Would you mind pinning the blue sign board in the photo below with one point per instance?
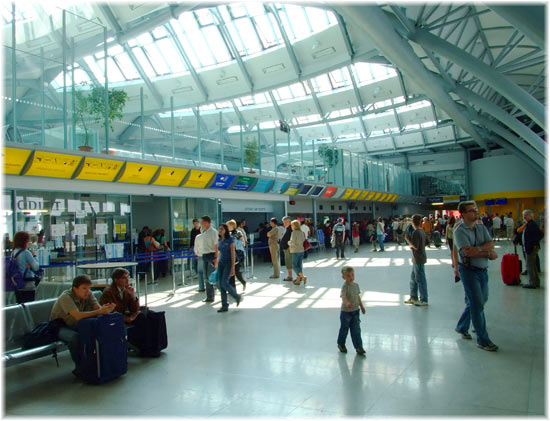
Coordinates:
(436, 199)
(280, 186)
(222, 181)
(501, 201)
(263, 185)
(490, 202)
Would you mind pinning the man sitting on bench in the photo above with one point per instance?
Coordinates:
(72, 306)
(123, 296)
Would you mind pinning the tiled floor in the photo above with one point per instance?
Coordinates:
(276, 354)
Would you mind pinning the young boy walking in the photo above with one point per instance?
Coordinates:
(349, 314)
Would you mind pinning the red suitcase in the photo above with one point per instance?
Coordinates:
(510, 269)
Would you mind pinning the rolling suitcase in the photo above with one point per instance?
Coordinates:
(510, 269)
(103, 349)
(436, 236)
(149, 336)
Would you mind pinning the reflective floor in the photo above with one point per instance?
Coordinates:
(276, 354)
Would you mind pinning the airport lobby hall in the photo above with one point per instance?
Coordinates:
(278, 210)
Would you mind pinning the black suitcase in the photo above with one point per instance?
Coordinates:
(149, 334)
(103, 352)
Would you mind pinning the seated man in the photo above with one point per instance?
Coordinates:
(122, 295)
(73, 305)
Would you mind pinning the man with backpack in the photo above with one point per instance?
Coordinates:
(339, 234)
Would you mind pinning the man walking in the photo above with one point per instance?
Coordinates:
(284, 247)
(273, 243)
(339, 232)
(209, 248)
(531, 237)
(497, 224)
(418, 276)
(475, 247)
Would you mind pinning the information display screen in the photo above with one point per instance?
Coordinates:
(198, 179)
(99, 169)
(280, 186)
(222, 181)
(243, 183)
(305, 189)
(294, 188)
(329, 192)
(48, 164)
(138, 173)
(14, 160)
(316, 191)
(170, 176)
(263, 185)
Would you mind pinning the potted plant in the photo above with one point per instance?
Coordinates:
(251, 153)
(93, 105)
(330, 157)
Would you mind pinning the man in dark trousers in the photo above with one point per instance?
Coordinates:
(531, 237)
(194, 232)
(284, 247)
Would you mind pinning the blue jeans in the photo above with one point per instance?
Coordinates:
(199, 267)
(476, 288)
(349, 320)
(297, 259)
(207, 260)
(70, 337)
(223, 275)
(418, 282)
(381, 241)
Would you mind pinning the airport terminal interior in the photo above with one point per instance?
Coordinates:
(343, 139)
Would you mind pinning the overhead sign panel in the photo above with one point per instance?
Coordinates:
(316, 191)
(138, 173)
(263, 185)
(305, 189)
(294, 187)
(339, 192)
(243, 183)
(48, 164)
(14, 160)
(347, 194)
(355, 194)
(280, 186)
(377, 196)
(363, 195)
(371, 195)
(170, 176)
(329, 192)
(198, 179)
(99, 169)
(394, 198)
(222, 181)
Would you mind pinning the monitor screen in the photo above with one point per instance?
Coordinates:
(305, 189)
(316, 191)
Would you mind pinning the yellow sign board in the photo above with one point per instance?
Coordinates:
(371, 195)
(454, 198)
(355, 194)
(198, 179)
(383, 197)
(388, 197)
(363, 195)
(170, 176)
(138, 173)
(391, 198)
(377, 196)
(99, 169)
(394, 198)
(347, 194)
(14, 160)
(48, 164)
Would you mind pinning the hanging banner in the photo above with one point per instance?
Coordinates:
(14, 160)
(99, 169)
(304, 191)
(263, 185)
(293, 188)
(355, 194)
(170, 176)
(329, 192)
(222, 181)
(243, 183)
(48, 164)
(280, 186)
(138, 173)
(363, 195)
(198, 179)
(316, 191)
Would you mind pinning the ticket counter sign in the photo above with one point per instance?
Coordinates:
(329, 192)
(198, 179)
(280, 186)
(138, 173)
(222, 181)
(14, 160)
(48, 164)
(363, 195)
(294, 188)
(99, 169)
(263, 185)
(243, 183)
(170, 176)
(355, 194)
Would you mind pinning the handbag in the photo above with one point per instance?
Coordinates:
(307, 245)
(213, 279)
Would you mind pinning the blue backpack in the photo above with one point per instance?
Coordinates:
(14, 278)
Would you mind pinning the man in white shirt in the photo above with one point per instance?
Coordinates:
(394, 226)
(497, 223)
(209, 248)
(509, 223)
(305, 230)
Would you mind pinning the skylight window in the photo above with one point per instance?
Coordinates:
(312, 118)
(321, 84)
(296, 23)
(414, 106)
(268, 30)
(204, 17)
(248, 36)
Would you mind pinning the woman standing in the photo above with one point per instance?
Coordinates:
(27, 266)
(355, 235)
(380, 233)
(239, 252)
(449, 233)
(226, 267)
(151, 245)
(296, 247)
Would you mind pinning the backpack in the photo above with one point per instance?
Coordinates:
(13, 277)
(43, 334)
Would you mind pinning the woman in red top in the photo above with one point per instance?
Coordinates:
(355, 235)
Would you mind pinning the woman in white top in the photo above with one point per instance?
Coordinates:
(296, 247)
